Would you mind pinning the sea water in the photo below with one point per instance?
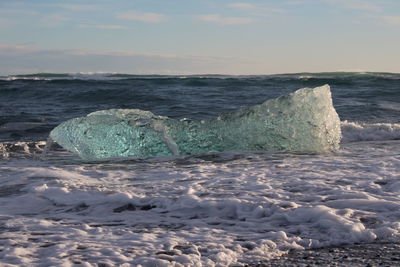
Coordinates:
(216, 209)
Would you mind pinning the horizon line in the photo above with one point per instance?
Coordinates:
(45, 73)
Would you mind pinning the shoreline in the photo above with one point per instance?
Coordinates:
(370, 254)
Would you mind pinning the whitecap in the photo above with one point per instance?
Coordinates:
(357, 131)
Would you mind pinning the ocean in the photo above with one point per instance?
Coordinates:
(233, 208)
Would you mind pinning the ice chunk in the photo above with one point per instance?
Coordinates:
(304, 120)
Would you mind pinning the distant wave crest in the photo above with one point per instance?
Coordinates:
(325, 76)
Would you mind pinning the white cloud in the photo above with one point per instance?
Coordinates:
(143, 17)
(256, 9)
(295, 3)
(78, 7)
(224, 20)
(103, 27)
(30, 59)
(391, 20)
(242, 5)
(10, 49)
(356, 5)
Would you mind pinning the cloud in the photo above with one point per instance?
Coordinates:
(214, 18)
(295, 3)
(256, 9)
(242, 5)
(391, 20)
(102, 27)
(356, 5)
(30, 59)
(78, 7)
(11, 49)
(143, 17)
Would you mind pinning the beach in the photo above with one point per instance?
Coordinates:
(231, 208)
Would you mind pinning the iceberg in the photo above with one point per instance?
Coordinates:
(304, 120)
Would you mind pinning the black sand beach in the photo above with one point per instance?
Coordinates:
(360, 255)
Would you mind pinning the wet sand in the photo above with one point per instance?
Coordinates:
(378, 254)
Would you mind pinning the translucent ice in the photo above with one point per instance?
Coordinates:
(304, 120)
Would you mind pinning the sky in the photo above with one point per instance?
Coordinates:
(199, 37)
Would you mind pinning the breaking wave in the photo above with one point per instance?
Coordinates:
(326, 76)
(355, 132)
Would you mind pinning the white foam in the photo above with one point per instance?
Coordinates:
(72, 76)
(21, 149)
(393, 106)
(196, 211)
(353, 131)
(32, 78)
(94, 76)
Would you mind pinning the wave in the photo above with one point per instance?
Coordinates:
(308, 75)
(356, 132)
(388, 105)
(36, 150)
(17, 149)
(60, 76)
(304, 76)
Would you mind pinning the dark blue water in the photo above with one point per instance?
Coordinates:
(31, 105)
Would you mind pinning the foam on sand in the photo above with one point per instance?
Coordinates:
(210, 210)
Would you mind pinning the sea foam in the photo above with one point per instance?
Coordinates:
(212, 212)
(355, 132)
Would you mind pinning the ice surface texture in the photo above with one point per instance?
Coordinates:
(304, 120)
